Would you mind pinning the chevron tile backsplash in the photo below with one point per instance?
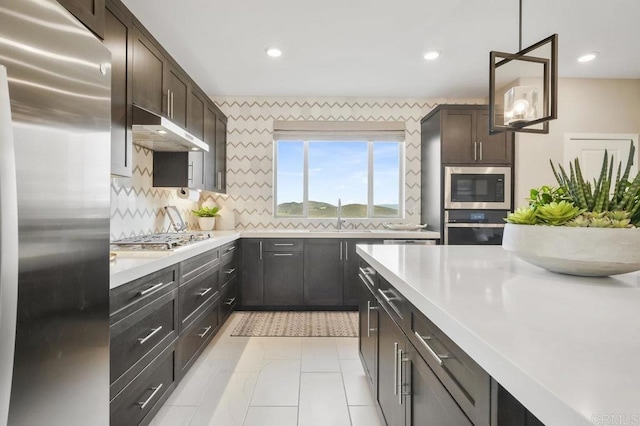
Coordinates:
(137, 207)
(250, 150)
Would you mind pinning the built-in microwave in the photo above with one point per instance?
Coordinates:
(486, 188)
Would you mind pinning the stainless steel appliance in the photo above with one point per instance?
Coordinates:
(54, 216)
(477, 227)
(477, 188)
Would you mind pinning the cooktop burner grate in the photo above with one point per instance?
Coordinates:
(165, 241)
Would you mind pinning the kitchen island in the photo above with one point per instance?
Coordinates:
(566, 347)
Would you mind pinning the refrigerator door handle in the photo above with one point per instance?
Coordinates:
(8, 247)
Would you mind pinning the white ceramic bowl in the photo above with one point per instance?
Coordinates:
(591, 252)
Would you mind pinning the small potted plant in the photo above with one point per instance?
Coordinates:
(206, 217)
(580, 227)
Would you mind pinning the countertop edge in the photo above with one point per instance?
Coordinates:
(539, 400)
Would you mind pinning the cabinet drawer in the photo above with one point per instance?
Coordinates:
(368, 276)
(280, 244)
(391, 299)
(228, 269)
(228, 299)
(195, 337)
(196, 292)
(129, 297)
(136, 339)
(144, 396)
(197, 264)
(228, 252)
(467, 382)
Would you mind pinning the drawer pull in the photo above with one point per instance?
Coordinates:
(230, 301)
(148, 400)
(205, 291)
(204, 333)
(366, 273)
(386, 298)
(150, 289)
(395, 367)
(283, 244)
(232, 248)
(283, 254)
(434, 354)
(230, 271)
(154, 331)
(369, 309)
(366, 281)
(401, 360)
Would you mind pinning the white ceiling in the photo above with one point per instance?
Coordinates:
(375, 47)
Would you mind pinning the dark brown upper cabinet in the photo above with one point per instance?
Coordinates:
(117, 38)
(210, 120)
(466, 138)
(90, 12)
(221, 154)
(177, 90)
(195, 118)
(149, 66)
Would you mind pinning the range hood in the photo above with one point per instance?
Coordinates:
(161, 134)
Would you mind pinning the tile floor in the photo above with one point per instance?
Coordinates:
(272, 381)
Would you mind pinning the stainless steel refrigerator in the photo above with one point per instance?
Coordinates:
(55, 95)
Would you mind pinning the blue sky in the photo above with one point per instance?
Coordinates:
(338, 170)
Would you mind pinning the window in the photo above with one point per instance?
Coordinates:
(366, 175)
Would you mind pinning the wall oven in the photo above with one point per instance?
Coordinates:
(486, 188)
(477, 227)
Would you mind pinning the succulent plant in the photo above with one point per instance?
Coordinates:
(557, 213)
(523, 216)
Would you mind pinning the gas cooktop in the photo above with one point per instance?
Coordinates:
(154, 242)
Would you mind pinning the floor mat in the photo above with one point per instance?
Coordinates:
(297, 324)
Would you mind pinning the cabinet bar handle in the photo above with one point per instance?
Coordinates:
(385, 297)
(260, 250)
(480, 151)
(204, 333)
(340, 250)
(395, 368)
(230, 271)
(205, 291)
(401, 360)
(219, 185)
(475, 151)
(364, 276)
(368, 318)
(148, 400)
(230, 301)
(283, 244)
(190, 166)
(150, 289)
(283, 254)
(434, 354)
(232, 248)
(346, 250)
(154, 331)
(169, 103)
(172, 105)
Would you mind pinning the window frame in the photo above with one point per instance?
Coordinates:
(370, 175)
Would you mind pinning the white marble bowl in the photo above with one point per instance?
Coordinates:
(590, 252)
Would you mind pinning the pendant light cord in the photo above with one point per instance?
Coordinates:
(520, 28)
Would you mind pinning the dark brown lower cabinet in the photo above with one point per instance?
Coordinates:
(228, 299)
(391, 341)
(141, 399)
(323, 271)
(195, 337)
(368, 318)
(283, 275)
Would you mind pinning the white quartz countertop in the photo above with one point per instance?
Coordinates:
(343, 233)
(131, 265)
(568, 348)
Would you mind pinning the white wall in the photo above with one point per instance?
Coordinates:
(584, 106)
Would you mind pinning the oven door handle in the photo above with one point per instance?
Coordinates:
(474, 225)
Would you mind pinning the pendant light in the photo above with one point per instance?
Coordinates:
(523, 86)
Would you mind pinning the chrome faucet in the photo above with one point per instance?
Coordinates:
(340, 219)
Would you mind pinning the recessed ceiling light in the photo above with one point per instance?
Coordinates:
(431, 55)
(588, 57)
(162, 132)
(274, 52)
(195, 149)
